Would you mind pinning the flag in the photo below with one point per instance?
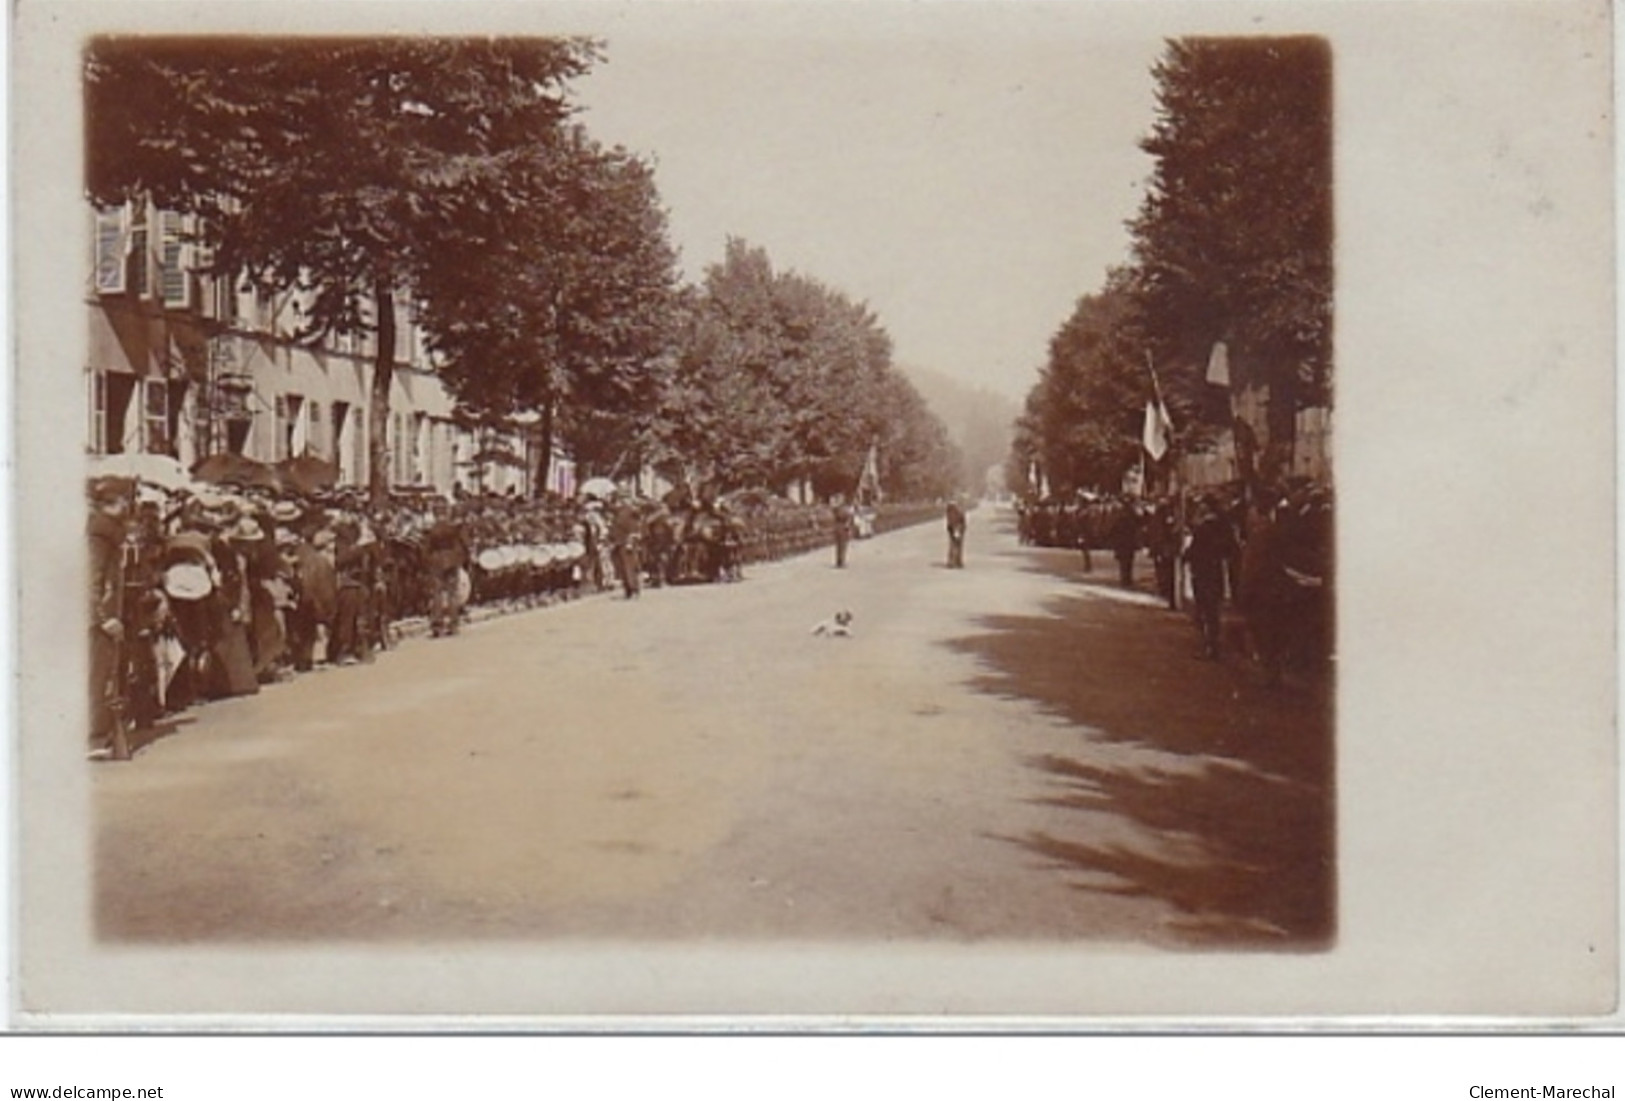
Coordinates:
(1157, 429)
(1218, 366)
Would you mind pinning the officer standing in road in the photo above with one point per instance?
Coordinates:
(956, 536)
(843, 529)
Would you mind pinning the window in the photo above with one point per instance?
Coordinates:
(420, 346)
(226, 287)
(398, 447)
(358, 433)
(140, 257)
(314, 441)
(98, 413)
(155, 416)
(342, 448)
(173, 254)
(289, 408)
(420, 448)
(117, 392)
(112, 250)
(291, 436)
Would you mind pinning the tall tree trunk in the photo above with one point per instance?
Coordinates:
(544, 453)
(1281, 417)
(383, 374)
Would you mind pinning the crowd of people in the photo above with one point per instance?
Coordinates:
(1264, 550)
(201, 591)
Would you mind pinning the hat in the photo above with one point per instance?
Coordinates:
(111, 490)
(187, 581)
(286, 512)
(246, 530)
(286, 538)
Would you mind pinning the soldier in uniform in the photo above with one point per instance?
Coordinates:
(956, 536)
(315, 597)
(626, 543)
(842, 514)
(350, 560)
(1164, 541)
(1124, 535)
(105, 532)
(734, 536)
(1212, 544)
(446, 549)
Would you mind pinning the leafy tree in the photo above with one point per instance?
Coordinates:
(349, 169)
(567, 306)
(779, 381)
(1084, 416)
(1234, 239)
(918, 461)
(721, 417)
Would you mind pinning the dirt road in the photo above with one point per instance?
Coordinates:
(1007, 751)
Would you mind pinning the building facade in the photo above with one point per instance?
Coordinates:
(189, 365)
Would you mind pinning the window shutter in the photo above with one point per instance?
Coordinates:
(315, 440)
(172, 276)
(112, 243)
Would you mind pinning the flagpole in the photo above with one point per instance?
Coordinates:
(1174, 481)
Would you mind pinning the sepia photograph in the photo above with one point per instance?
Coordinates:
(648, 511)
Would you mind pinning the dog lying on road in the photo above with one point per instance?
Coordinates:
(838, 625)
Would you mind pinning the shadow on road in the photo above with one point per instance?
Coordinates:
(1230, 784)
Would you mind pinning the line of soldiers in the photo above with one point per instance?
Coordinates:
(205, 592)
(1267, 549)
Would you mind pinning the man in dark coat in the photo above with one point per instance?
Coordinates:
(1265, 597)
(626, 544)
(1124, 536)
(351, 559)
(446, 549)
(316, 599)
(1163, 540)
(1212, 543)
(105, 532)
(956, 536)
(843, 519)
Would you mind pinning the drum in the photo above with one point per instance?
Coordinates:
(490, 559)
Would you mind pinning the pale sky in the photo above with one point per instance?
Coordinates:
(967, 178)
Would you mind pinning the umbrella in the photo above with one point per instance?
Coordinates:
(307, 474)
(597, 487)
(750, 498)
(143, 466)
(229, 468)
